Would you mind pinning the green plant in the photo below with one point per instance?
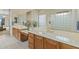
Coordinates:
(34, 24)
(28, 24)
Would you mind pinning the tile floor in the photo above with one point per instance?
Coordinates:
(10, 42)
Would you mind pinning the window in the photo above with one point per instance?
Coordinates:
(42, 21)
(0, 22)
(62, 21)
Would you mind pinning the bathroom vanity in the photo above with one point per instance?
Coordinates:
(19, 33)
(50, 41)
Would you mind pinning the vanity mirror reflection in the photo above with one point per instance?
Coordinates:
(64, 20)
(55, 19)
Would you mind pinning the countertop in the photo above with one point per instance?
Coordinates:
(25, 31)
(22, 27)
(70, 38)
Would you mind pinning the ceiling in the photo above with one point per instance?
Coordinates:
(13, 11)
(19, 11)
(4, 11)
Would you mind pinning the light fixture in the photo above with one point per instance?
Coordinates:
(63, 13)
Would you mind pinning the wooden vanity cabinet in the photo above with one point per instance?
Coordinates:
(19, 35)
(50, 44)
(23, 36)
(16, 33)
(66, 46)
(38, 42)
(31, 40)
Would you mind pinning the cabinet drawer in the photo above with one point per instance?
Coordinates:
(38, 37)
(52, 41)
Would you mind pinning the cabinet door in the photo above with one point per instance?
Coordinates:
(23, 36)
(66, 46)
(38, 42)
(50, 44)
(18, 34)
(31, 40)
(14, 32)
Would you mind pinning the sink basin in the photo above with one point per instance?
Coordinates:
(46, 33)
(63, 38)
(25, 31)
(43, 32)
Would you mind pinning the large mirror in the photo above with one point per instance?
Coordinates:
(64, 20)
(55, 19)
